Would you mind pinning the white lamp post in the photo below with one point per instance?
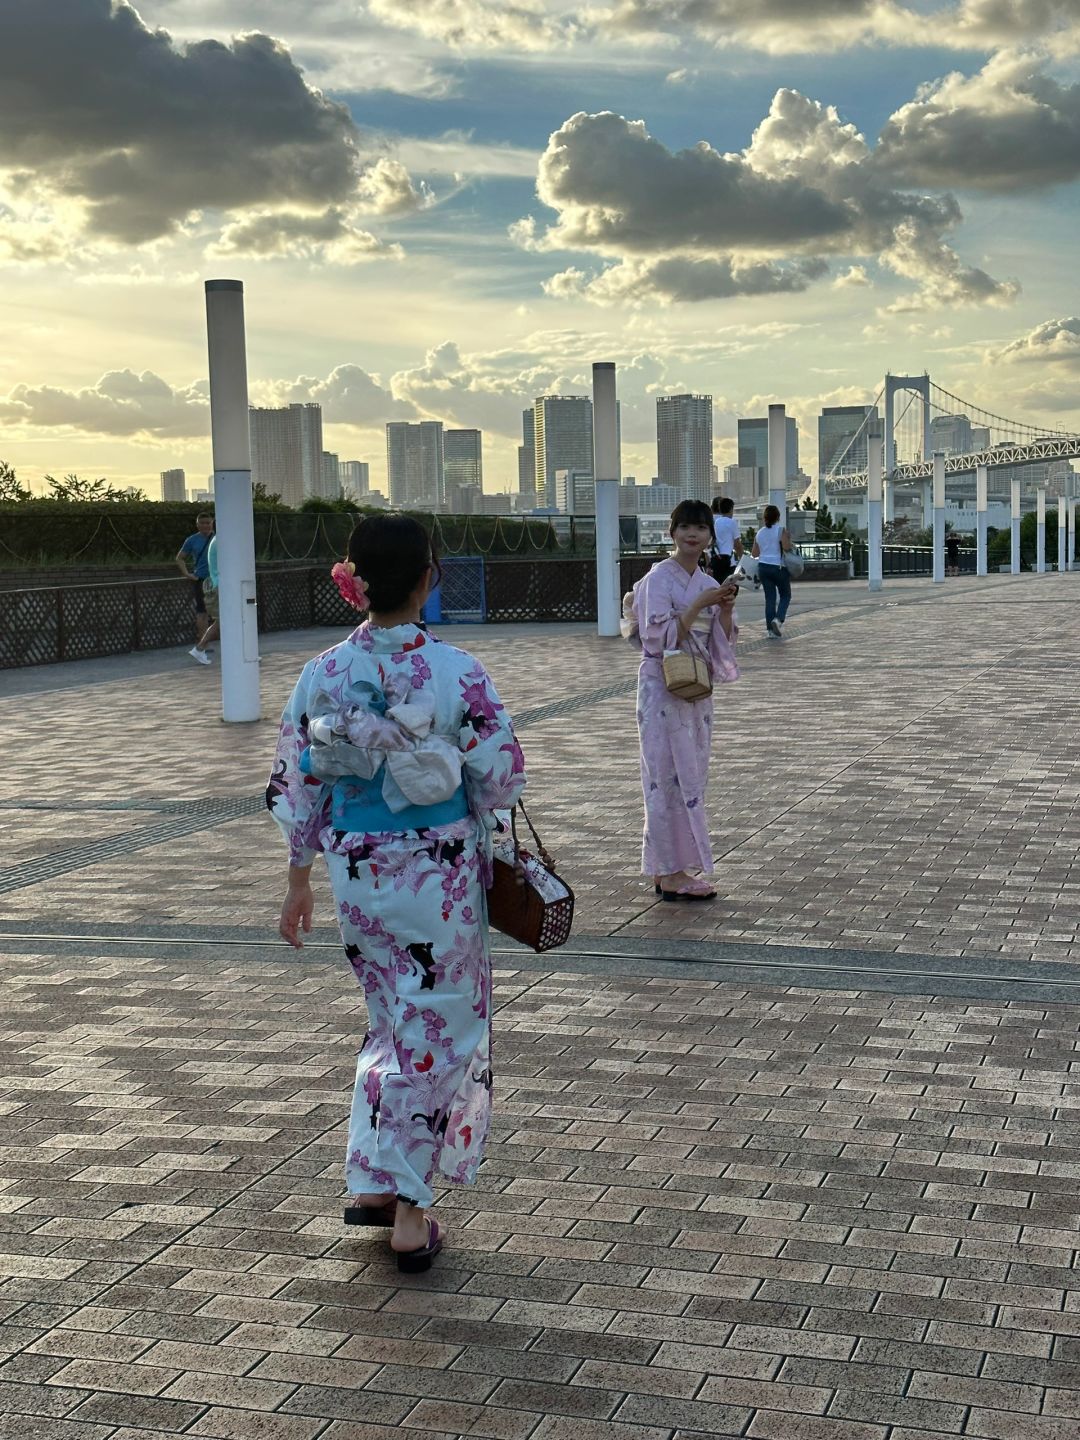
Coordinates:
(232, 500)
(777, 454)
(875, 455)
(939, 516)
(1062, 510)
(1040, 534)
(981, 507)
(1014, 525)
(606, 482)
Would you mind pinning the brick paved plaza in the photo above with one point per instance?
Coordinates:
(801, 1164)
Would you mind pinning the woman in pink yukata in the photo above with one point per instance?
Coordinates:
(394, 753)
(678, 606)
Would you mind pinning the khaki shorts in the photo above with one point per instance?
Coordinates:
(210, 601)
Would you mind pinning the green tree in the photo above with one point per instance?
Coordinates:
(999, 547)
(77, 488)
(11, 492)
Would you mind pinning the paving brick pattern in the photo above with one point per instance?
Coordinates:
(710, 1207)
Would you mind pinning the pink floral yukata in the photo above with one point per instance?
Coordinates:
(676, 735)
(412, 910)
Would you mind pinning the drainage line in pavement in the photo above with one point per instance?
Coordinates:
(107, 941)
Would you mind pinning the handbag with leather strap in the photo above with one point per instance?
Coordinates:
(527, 900)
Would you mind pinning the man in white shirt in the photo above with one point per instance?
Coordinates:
(727, 542)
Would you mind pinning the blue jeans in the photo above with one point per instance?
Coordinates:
(775, 579)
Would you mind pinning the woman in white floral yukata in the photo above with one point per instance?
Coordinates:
(394, 752)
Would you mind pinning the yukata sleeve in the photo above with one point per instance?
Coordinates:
(299, 802)
(493, 766)
(658, 611)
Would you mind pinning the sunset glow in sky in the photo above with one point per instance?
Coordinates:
(442, 208)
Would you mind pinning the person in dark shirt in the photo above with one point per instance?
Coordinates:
(952, 553)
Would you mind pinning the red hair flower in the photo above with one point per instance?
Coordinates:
(351, 588)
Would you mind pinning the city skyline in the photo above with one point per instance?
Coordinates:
(755, 210)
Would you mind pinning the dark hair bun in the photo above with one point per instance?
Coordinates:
(391, 554)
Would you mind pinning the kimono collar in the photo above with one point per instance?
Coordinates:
(392, 640)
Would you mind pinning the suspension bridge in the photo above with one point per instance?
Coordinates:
(934, 419)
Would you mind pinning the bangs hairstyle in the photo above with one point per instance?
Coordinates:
(691, 512)
(391, 554)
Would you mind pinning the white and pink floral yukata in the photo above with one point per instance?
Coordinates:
(410, 899)
(676, 735)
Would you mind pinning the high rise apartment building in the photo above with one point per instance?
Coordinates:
(331, 476)
(287, 451)
(754, 452)
(562, 439)
(955, 435)
(684, 444)
(355, 478)
(173, 485)
(842, 438)
(463, 462)
(527, 461)
(414, 464)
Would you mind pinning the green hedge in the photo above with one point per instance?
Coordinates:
(58, 533)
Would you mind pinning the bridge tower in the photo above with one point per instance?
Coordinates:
(919, 385)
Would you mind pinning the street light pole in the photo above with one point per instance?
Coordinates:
(232, 500)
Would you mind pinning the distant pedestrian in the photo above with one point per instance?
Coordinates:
(196, 549)
(211, 607)
(771, 543)
(727, 541)
(394, 753)
(952, 553)
(676, 606)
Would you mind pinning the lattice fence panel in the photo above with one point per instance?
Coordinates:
(328, 608)
(97, 620)
(164, 614)
(28, 628)
(461, 591)
(285, 599)
(522, 590)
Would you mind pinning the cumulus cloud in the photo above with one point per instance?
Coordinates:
(330, 236)
(386, 188)
(699, 224)
(1008, 128)
(854, 277)
(148, 138)
(683, 278)
(477, 24)
(1053, 340)
(121, 403)
(986, 24)
(349, 395)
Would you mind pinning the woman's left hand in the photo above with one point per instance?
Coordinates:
(296, 912)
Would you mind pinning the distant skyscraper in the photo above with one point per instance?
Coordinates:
(414, 464)
(575, 492)
(754, 450)
(287, 451)
(684, 444)
(355, 478)
(463, 463)
(562, 427)
(172, 485)
(741, 483)
(331, 476)
(527, 461)
(842, 438)
(956, 435)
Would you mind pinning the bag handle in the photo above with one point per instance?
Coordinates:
(541, 852)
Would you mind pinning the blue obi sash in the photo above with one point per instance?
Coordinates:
(358, 805)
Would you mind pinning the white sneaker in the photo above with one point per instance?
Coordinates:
(774, 629)
(200, 655)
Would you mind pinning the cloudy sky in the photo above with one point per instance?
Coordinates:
(441, 208)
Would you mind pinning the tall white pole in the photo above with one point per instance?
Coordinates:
(606, 479)
(938, 485)
(232, 500)
(777, 442)
(981, 507)
(1014, 525)
(1062, 533)
(888, 494)
(1070, 553)
(1040, 533)
(875, 455)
